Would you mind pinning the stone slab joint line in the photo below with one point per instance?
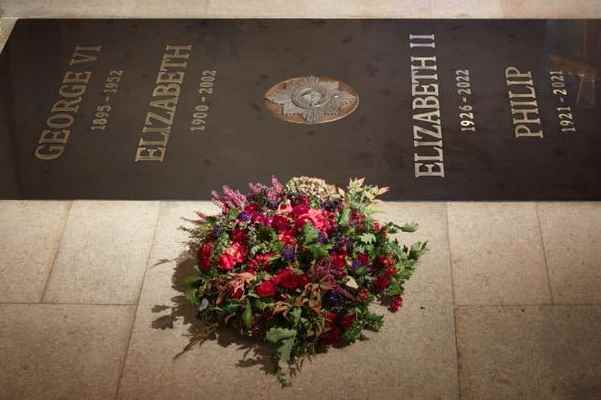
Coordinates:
(56, 252)
(137, 304)
(457, 355)
(542, 242)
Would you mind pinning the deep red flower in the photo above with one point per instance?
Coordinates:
(266, 289)
(287, 237)
(363, 259)
(390, 271)
(239, 236)
(288, 279)
(226, 262)
(338, 260)
(280, 223)
(385, 261)
(395, 303)
(204, 256)
(330, 317)
(363, 295)
(260, 261)
(346, 321)
(382, 282)
(331, 336)
(236, 293)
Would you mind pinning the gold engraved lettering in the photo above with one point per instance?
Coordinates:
(525, 113)
(428, 156)
(57, 130)
(154, 136)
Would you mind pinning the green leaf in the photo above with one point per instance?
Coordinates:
(191, 295)
(274, 335)
(230, 308)
(367, 238)
(344, 217)
(310, 233)
(412, 227)
(393, 289)
(189, 281)
(295, 315)
(417, 250)
(285, 349)
(374, 321)
(247, 316)
(319, 250)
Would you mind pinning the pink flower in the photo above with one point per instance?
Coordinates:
(318, 218)
(231, 256)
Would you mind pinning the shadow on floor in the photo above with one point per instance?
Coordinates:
(254, 352)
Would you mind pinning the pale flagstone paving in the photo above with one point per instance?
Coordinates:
(551, 8)
(54, 352)
(572, 237)
(530, 352)
(502, 253)
(104, 253)
(30, 232)
(497, 254)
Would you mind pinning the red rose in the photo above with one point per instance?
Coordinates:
(338, 260)
(204, 256)
(289, 280)
(259, 262)
(280, 223)
(226, 262)
(377, 227)
(382, 282)
(300, 209)
(385, 261)
(346, 321)
(287, 238)
(389, 271)
(265, 289)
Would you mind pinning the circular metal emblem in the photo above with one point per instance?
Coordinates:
(311, 100)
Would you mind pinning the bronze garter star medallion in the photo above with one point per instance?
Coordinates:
(311, 100)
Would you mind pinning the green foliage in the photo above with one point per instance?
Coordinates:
(247, 316)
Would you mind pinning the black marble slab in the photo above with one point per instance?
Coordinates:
(87, 113)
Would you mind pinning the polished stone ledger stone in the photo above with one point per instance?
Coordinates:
(171, 109)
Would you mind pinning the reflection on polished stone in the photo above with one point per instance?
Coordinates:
(166, 109)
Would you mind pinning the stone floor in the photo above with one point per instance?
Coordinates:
(506, 305)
